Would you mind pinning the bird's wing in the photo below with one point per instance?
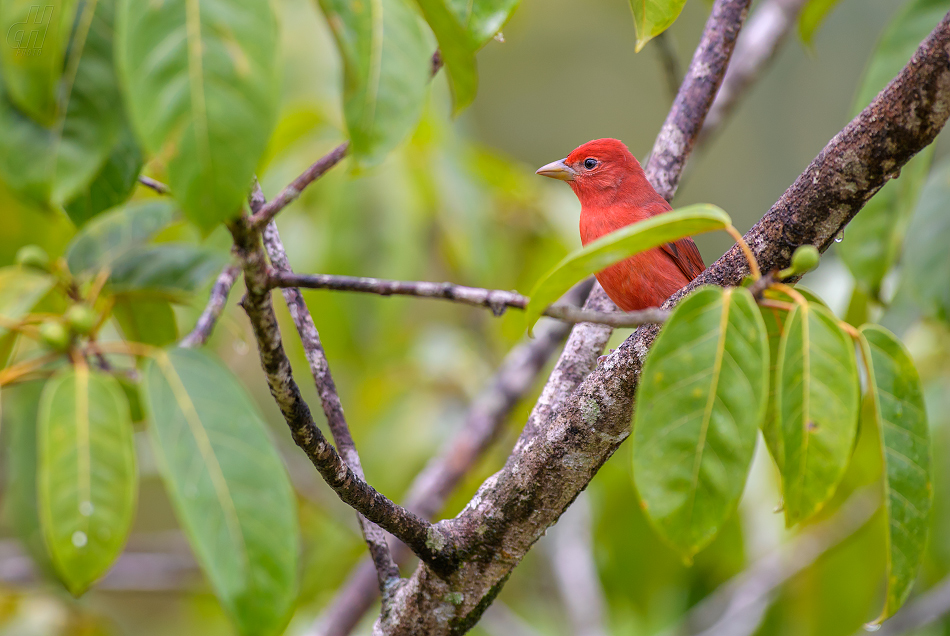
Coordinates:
(686, 256)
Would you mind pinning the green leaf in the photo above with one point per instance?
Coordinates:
(20, 405)
(898, 43)
(457, 47)
(925, 267)
(86, 478)
(228, 485)
(169, 268)
(201, 82)
(386, 57)
(483, 19)
(653, 17)
(702, 396)
(901, 418)
(616, 246)
(147, 320)
(20, 290)
(104, 240)
(113, 184)
(813, 14)
(35, 39)
(817, 402)
(54, 161)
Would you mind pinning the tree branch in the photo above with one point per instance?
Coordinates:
(433, 545)
(431, 488)
(924, 610)
(515, 506)
(386, 569)
(218, 299)
(495, 299)
(756, 48)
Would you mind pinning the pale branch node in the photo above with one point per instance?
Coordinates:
(428, 541)
(157, 186)
(485, 419)
(514, 507)
(386, 569)
(212, 311)
(737, 607)
(755, 50)
(494, 299)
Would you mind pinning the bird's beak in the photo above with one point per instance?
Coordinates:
(557, 170)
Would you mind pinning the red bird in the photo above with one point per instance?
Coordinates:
(614, 192)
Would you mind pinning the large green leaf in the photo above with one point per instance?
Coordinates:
(168, 268)
(100, 243)
(145, 319)
(35, 39)
(86, 478)
(899, 413)
(228, 485)
(898, 43)
(53, 161)
(20, 289)
(113, 184)
(817, 401)
(925, 267)
(616, 246)
(813, 14)
(702, 395)
(653, 17)
(483, 19)
(457, 47)
(386, 55)
(201, 82)
(20, 405)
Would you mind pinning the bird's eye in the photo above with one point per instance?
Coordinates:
(590, 163)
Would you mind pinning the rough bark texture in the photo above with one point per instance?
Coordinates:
(543, 475)
(212, 311)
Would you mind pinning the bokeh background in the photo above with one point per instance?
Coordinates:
(459, 201)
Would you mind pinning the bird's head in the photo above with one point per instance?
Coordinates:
(597, 168)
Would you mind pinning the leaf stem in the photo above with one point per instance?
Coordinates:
(753, 265)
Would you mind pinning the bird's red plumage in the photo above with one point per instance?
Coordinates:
(613, 194)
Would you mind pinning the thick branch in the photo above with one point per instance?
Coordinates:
(543, 476)
(495, 299)
(428, 541)
(216, 302)
(428, 493)
(385, 567)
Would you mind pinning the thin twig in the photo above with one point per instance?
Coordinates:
(427, 541)
(158, 186)
(495, 299)
(386, 568)
(285, 197)
(212, 311)
(756, 48)
(428, 493)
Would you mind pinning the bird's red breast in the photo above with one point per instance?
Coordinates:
(614, 192)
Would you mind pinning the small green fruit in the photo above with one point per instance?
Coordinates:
(54, 335)
(81, 319)
(805, 259)
(33, 256)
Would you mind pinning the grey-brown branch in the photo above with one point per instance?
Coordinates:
(517, 504)
(429, 491)
(429, 542)
(496, 300)
(387, 572)
(212, 311)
